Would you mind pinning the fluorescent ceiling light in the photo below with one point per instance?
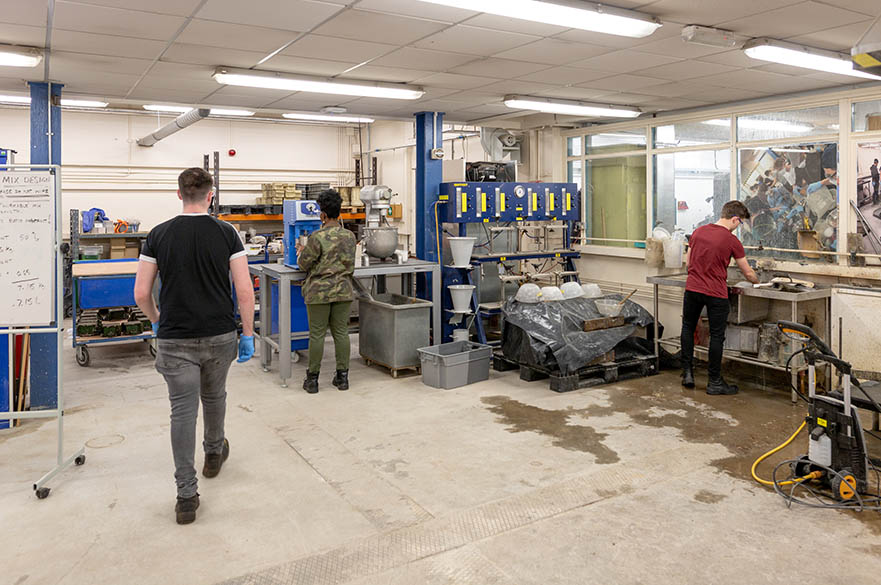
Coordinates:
(224, 112)
(167, 109)
(565, 13)
(758, 124)
(72, 103)
(11, 56)
(14, 99)
(325, 118)
(801, 56)
(570, 108)
(274, 80)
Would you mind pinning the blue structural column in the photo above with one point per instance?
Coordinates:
(45, 148)
(429, 174)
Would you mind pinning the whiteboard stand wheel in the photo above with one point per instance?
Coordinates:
(82, 356)
(42, 493)
(80, 460)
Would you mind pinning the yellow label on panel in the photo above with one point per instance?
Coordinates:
(460, 184)
(502, 258)
(502, 202)
(822, 422)
(519, 219)
(443, 198)
(519, 209)
(486, 221)
(557, 254)
(483, 201)
(568, 201)
(464, 201)
(551, 202)
(534, 201)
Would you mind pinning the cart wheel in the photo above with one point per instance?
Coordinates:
(80, 460)
(42, 493)
(152, 351)
(844, 485)
(394, 373)
(82, 356)
(295, 357)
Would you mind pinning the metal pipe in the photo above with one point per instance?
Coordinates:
(175, 125)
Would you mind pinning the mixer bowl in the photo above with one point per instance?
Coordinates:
(380, 242)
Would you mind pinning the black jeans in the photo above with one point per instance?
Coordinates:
(717, 312)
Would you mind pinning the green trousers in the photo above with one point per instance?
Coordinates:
(320, 316)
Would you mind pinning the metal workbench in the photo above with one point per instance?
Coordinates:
(794, 299)
(287, 277)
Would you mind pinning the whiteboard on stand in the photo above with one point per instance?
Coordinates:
(27, 248)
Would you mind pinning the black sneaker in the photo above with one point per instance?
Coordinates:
(186, 509)
(214, 461)
(688, 377)
(310, 384)
(341, 379)
(721, 387)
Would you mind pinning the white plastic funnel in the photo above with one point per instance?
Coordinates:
(461, 295)
(461, 249)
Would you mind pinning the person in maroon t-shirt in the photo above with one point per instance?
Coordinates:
(711, 248)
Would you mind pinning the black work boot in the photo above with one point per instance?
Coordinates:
(186, 509)
(310, 384)
(341, 379)
(214, 461)
(688, 376)
(720, 386)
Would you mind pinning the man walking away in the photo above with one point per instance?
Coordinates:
(875, 180)
(328, 259)
(711, 249)
(194, 255)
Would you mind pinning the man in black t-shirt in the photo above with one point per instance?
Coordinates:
(194, 255)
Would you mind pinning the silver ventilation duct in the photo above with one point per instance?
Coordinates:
(176, 125)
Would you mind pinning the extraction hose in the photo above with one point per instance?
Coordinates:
(812, 475)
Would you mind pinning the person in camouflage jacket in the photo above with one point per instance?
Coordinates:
(328, 259)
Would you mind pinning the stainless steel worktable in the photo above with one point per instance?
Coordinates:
(286, 277)
(793, 298)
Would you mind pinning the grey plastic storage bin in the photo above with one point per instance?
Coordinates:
(454, 364)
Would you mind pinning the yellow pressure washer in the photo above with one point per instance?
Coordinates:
(835, 472)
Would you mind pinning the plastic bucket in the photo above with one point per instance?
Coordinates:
(461, 295)
(461, 335)
(461, 249)
(673, 253)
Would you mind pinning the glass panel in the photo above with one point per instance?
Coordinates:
(615, 202)
(867, 116)
(573, 145)
(790, 124)
(869, 194)
(792, 194)
(691, 188)
(693, 133)
(573, 172)
(616, 141)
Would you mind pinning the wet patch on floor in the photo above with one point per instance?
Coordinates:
(520, 417)
(708, 497)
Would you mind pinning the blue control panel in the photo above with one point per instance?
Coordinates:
(305, 210)
(301, 218)
(504, 202)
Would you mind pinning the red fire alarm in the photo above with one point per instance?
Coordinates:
(232, 151)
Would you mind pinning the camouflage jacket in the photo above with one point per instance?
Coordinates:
(329, 262)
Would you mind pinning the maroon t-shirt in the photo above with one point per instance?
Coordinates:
(712, 248)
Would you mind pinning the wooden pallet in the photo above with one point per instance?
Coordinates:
(393, 371)
(595, 375)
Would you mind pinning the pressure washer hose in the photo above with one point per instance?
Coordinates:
(812, 475)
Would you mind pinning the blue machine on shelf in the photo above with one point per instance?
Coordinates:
(301, 218)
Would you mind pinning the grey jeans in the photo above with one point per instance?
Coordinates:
(193, 369)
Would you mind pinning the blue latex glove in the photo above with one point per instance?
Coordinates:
(246, 348)
(155, 328)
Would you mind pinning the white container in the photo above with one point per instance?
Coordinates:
(571, 290)
(461, 250)
(673, 253)
(820, 450)
(551, 293)
(461, 334)
(592, 291)
(608, 307)
(528, 293)
(461, 295)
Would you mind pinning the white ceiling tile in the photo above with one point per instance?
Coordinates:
(387, 74)
(294, 15)
(840, 38)
(668, 104)
(573, 93)
(798, 19)
(174, 7)
(732, 58)
(682, 88)
(20, 34)
(336, 49)
(235, 36)
(454, 81)
(666, 30)
(80, 42)
(564, 75)
(479, 96)
(676, 47)
(685, 70)
(625, 61)
(553, 52)
(178, 95)
(379, 106)
(868, 7)
(783, 69)
(489, 109)
(309, 102)
(418, 9)
(499, 68)
(177, 74)
(62, 63)
(764, 81)
(505, 23)
(16, 84)
(102, 88)
(625, 99)
(359, 24)
(711, 12)
(721, 95)
(433, 93)
(474, 41)
(85, 79)
(623, 82)
(202, 55)
(515, 86)
(413, 58)
(239, 96)
(112, 21)
(304, 66)
(29, 12)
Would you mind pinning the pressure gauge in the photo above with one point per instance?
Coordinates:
(519, 191)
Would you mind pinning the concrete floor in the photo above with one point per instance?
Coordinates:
(396, 483)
